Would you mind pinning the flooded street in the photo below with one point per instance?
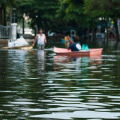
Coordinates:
(38, 85)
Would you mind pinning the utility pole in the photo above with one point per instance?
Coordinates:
(14, 25)
(23, 26)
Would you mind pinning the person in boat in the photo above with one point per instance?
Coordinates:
(66, 38)
(40, 39)
(74, 45)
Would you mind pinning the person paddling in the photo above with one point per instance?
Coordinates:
(75, 45)
(40, 39)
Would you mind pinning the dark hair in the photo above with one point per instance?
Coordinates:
(76, 39)
(40, 29)
(67, 34)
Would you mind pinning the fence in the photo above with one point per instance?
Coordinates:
(5, 32)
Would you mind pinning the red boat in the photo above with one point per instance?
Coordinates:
(66, 52)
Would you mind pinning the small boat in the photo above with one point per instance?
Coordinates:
(19, 47)
(66, 52)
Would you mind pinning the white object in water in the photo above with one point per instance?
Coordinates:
(19, 42)
(50, 33)
(11, 43)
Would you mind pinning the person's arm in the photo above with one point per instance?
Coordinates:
(67, 44)
(35, 40)
(70, 40)
(69, 47)
(45, 40)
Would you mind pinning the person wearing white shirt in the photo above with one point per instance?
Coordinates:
(40, 39)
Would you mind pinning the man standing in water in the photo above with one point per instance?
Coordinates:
(40, 39)
(75, 46)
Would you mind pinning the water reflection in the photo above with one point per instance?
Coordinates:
(17, 61)
(41, 61)
(78, 63)
(37, 85)
(21, 82)
(80, 70)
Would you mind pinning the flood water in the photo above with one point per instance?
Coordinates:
(38, 85)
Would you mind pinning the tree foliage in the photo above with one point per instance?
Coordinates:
(71, 10)
(4, 6)
(103, 8)
(41, 12)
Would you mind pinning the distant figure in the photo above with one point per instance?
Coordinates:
(75, 45)
(66, 38)
(112, 32)
(40, 39)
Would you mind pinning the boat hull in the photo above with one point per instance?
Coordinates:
(66, 52)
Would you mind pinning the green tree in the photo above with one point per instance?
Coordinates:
(4, 6)
(41, 12)
(104, 8)
(71, 10)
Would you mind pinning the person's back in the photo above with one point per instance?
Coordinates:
(75, 46)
